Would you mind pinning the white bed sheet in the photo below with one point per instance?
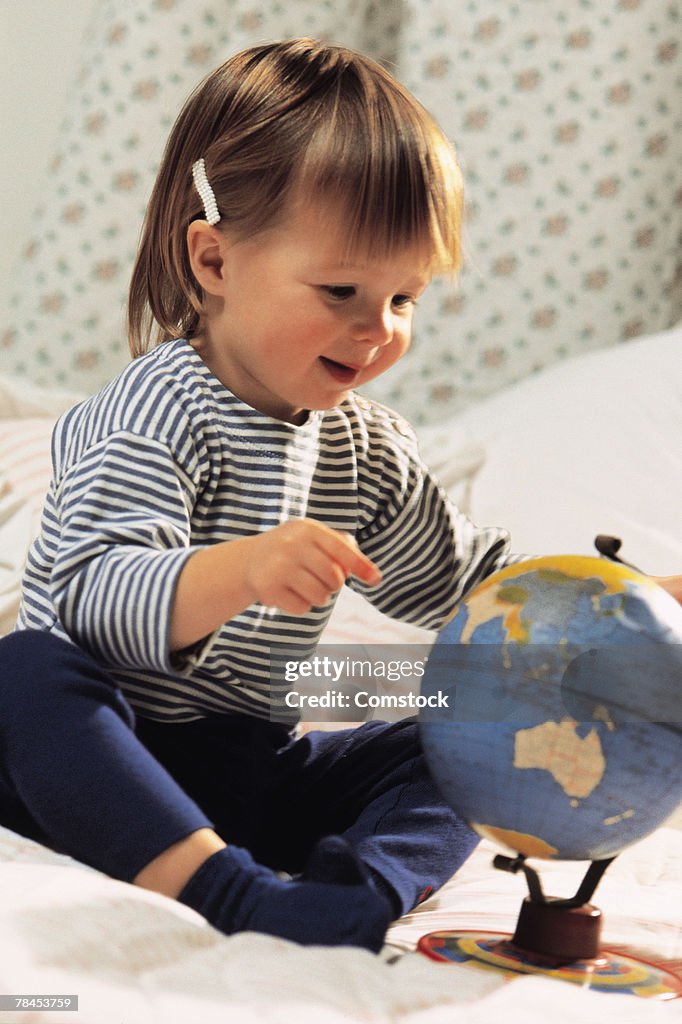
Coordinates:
(133, 957)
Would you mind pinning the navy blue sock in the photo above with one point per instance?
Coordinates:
(334, 860)
(333, 904)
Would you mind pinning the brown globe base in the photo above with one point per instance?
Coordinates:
(560, 934)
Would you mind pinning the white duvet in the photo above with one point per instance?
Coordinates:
(133, 957)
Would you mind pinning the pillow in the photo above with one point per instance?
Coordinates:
(21, 398)
(586, 447)
(25, 470)
(565, 117)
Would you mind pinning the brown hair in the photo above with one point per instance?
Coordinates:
(294, 116)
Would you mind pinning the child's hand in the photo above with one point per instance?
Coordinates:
(673, 584)
(300, 564)
(294, 567)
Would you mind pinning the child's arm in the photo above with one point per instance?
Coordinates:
(294, 567)
(673, 584)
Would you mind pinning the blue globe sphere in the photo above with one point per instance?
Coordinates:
(562, 731)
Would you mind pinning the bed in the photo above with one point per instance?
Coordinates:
(533, 408)
(589, 445)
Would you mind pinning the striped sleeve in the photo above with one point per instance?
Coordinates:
(124, 539)
(429, 552)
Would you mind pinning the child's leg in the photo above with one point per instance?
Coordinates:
(70, 759)
(372, 785)
(73, 773)
(408, 835)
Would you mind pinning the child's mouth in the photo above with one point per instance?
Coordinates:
(339, 371)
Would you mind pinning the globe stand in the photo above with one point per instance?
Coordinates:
(557, 938)
(560, 930)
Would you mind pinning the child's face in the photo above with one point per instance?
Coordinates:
(296, 326)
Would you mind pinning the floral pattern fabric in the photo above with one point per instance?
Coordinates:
(567, 117)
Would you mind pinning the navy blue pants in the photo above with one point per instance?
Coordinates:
(80, 773)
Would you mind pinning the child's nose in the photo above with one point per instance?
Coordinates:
(374, 326)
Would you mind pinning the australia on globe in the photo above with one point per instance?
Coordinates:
(562, 734)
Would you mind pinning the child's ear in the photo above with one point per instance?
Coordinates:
(205, 246)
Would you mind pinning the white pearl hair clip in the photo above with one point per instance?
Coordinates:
(206, 193)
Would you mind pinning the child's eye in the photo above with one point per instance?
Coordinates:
(339, 292)
(401, 301)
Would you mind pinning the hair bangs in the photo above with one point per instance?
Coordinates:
(391, 172)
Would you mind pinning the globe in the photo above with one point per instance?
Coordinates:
(558, 730)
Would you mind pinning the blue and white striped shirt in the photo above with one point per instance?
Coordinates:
(165, 460)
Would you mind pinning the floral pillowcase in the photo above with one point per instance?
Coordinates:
(567, 126)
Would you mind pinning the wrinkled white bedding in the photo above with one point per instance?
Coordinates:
(136, 958)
